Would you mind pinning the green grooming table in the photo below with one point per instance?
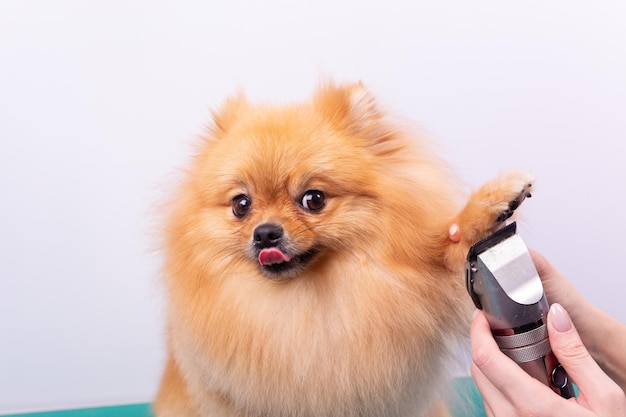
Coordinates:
(136, 410)
(467, 404)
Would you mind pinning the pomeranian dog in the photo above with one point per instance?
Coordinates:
(310, 269)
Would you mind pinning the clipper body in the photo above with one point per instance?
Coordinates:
(502, 280)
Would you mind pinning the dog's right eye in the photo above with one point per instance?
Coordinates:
(241, 205)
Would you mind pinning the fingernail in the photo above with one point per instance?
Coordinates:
(474, 314)
(559, 318)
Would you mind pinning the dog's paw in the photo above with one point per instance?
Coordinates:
(492, 204)
(486, 211)
(516, 202)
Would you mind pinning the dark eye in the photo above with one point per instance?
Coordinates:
(313, 200)
(241, 205)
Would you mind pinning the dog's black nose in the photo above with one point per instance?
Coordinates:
(267, 235)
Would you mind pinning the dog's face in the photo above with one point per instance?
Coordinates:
(283, 243)
(285, 187)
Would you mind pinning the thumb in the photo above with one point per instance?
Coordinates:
(574, 356)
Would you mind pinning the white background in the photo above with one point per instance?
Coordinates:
(99, 101)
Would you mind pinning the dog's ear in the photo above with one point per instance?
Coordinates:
(350, 107)
(353, 109)
(227, 114)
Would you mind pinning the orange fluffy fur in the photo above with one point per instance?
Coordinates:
(363, 329)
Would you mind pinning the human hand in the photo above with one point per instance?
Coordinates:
(509, 391)
(559, 289)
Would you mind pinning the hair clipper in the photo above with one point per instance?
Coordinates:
(502, 280)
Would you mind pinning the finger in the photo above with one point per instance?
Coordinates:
(553, 282)
(556, 286)
(492, 397)
(506, 388)
(488, 411)
(514, 384)
(540, 261)
(595, 386)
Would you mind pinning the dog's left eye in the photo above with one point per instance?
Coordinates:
(313, 200)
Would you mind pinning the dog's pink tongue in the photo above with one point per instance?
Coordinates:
(271, 256)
